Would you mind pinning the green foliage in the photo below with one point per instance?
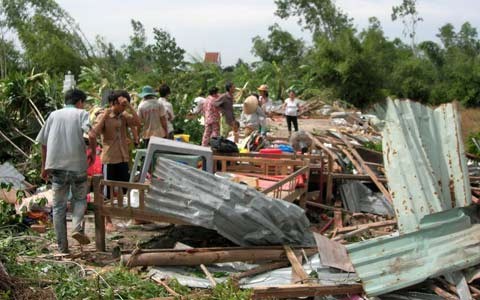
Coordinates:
(472, 144)
(373, 146)
(319, 16)
(229, 291)
(8, 215)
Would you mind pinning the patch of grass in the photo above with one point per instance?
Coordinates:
(374, 146)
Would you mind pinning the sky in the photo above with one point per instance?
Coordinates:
(228, 26)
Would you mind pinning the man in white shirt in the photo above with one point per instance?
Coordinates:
(164, 91)
(65, 162)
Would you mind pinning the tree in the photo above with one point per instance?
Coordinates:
(407, 11)
(167, 56)
(280, 47)
(318, 16)
(48, 35)
(447, 35)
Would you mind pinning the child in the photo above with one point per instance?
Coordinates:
(234, 134)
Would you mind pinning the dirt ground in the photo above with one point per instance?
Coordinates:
(278, 125)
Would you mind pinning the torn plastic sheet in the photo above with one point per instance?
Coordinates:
(357, 197)
(282, 276)
(237, 212)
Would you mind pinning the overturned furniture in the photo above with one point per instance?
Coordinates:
(181, 194)
(160, 145)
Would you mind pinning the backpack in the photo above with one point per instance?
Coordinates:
(222, 145)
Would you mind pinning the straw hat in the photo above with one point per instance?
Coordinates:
(263, 87)
(250, 105)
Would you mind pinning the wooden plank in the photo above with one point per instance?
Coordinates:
(141, 199)
(124, 184)
(329, 193)
(367, 169)
(337, 215)
(99, 218)
(304, 290)
(120, 197)
(368, 225)
(356, 177)
(296, 265)
(357, 166)
(140, 214)
(328, 207)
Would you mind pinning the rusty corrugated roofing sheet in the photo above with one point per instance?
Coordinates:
(428, 179)
(424, 161)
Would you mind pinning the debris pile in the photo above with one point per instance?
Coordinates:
(386, 208)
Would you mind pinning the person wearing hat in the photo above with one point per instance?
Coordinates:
(265, 102)
(152, 115)
(252, 118)
(292, 108)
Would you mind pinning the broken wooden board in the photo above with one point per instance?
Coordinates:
(333, 254)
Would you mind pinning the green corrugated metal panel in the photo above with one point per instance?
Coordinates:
(424, 161)
(428, 178)
(445, 242)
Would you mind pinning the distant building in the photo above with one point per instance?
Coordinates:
(213, 57)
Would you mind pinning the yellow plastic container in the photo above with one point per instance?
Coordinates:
(182, 137)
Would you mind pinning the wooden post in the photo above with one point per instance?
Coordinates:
(99, 218)
(329, 181)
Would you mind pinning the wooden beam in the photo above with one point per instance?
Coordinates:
(195, 257)
(368, 226)
(99, 217)
(328, 207)
(356, 177)
(296, 265)
(367, 169)
(304, 290)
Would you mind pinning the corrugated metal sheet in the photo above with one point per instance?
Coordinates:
(428, 179)
(8, 174)
(446, 242)
(238, 212)
(424, 161)
(357, 197)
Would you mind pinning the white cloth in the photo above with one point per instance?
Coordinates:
(198, 105)
(291, 107)
(63, 136)
(170, 116)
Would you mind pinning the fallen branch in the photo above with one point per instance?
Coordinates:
(13, 144)
(165, 285)
(209, 275)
